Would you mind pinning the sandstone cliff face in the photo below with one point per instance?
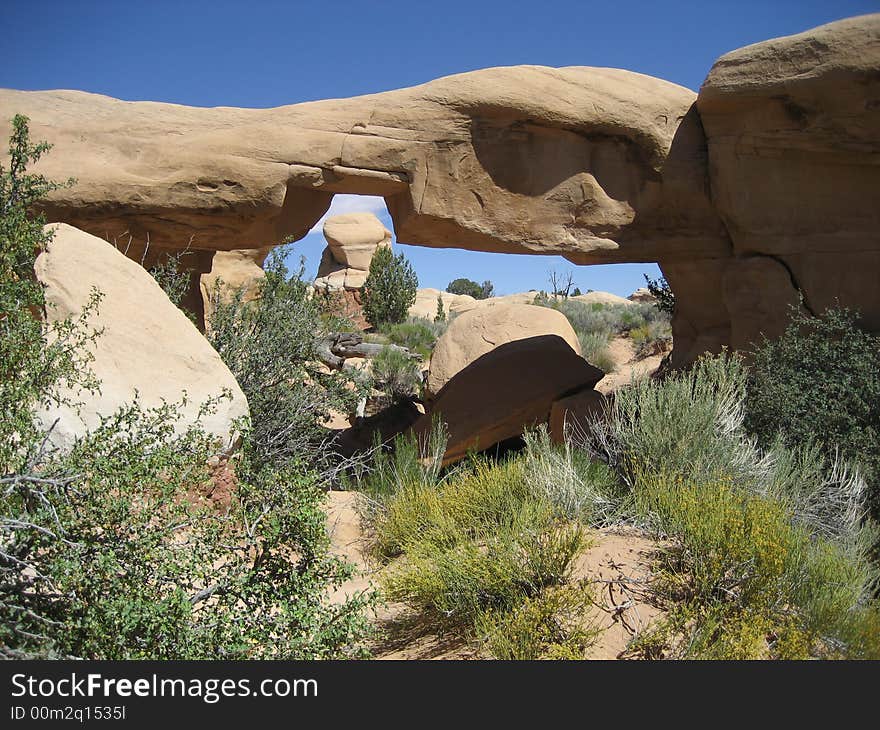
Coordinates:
(793, 129)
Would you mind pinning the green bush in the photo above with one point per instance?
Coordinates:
(550, 625)
(390, 288)
(476, 538)
(417, 334)
(471, 288)
(820, 381)
(107, 550)
(577, 487)
(396, 374)
(741, 570)
(770, 541)
(174, 279)
(270, 345)
(662, 292)
(651, 338)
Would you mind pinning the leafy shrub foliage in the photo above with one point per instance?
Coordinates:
(108, 550)
(396, 374)
(270, 345)
(820, 381)
(417, 334)
(390, 288)
(661, 291)
(770, 541)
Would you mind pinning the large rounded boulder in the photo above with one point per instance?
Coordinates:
(499, 369)
(147, 353)
(479, 331)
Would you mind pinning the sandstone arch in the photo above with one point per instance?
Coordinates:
(598, 165)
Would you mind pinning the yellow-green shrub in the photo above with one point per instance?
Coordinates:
(551, 625)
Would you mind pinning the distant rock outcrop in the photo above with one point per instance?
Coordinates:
(148, 352)
(233, 271)
(352, 239)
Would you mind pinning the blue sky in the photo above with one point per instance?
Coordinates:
(261, 54)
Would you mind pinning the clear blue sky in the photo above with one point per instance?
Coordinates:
(261, 54)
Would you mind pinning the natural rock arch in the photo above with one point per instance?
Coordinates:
(598, 165)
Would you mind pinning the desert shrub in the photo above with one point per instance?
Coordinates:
(270, 345)
(742, 569)
(34, 359)
(550, 625)
(174, 279)
(499, 570)
(396, 374)
(121, 560)
(471, 288)
(440, 315)
(390, 288)
(651, 338)
(691, 423)
(820, 381)
(762, 539)
(577, 487)
(460, 543)
(107, 550)
(662, 292)
(417, 334)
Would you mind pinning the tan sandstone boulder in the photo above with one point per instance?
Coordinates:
(601, 297)
(505, 391)
(570, 415)
(425, 305)
(479, 331)
(354, 237)
(232, 271)
(642, 295)
(148, 352)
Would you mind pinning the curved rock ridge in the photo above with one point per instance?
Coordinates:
(597, 164)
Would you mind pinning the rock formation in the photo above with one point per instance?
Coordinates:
(144, 336)
(506, 390)
(793, 130)
(352, 239)
(479, 331)
(232, 271)
(599, 165)
(425, 305)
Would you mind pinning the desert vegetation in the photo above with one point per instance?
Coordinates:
(754, 479)
(762, 553)
(596, 324)
(107, 550)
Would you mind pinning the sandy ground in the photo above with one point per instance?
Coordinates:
(627, 367)
(618, 563)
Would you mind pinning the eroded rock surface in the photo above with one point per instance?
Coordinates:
(148, 352)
